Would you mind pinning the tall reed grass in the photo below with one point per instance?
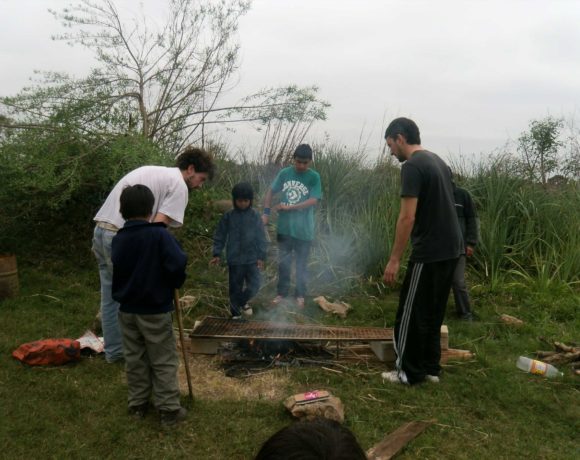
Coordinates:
(527, 230)
(529, 234)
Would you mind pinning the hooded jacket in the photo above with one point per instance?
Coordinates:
(148, 264)
(242, 234)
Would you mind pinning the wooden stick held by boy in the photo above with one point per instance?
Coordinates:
(182, 342)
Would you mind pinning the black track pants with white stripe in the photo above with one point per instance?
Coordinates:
(420, 314)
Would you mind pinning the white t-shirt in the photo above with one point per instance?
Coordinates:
(168, 187)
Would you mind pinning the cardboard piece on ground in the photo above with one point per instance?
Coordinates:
(327, 406)
(90, 340)
(311, 396)
(395, 441)
(187, 301)
(507, 319)
(338, 308)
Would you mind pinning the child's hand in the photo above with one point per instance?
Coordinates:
(260, 265)
(215, 261)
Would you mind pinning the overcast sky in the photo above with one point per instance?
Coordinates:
(471, 73)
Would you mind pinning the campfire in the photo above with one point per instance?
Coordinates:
(250, 356)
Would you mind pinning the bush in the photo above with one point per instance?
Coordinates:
(52, 184)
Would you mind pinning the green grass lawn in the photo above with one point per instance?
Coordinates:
(485, 408)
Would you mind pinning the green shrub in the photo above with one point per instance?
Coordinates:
(52, 183)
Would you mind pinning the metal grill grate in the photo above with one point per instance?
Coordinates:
(221, 328)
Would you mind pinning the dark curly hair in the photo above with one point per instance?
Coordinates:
(201, 160)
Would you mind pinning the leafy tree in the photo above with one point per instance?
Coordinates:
(571, 164)
(539, 148)
(162, 82)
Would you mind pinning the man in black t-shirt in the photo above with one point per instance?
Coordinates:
(427, 216)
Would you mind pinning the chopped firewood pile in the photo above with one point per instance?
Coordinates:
(563, 355)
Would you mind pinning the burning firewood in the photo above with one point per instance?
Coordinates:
(337, 308)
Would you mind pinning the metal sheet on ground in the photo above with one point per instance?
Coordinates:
(221, 328)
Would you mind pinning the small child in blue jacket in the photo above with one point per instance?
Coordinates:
(242, 233)
(148, 265)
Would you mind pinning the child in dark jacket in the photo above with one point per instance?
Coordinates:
(148, 264)
(242, 233)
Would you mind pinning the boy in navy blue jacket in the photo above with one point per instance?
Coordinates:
(148, 264)
(242, 233)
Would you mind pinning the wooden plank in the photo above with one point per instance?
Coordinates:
(454, 354)
(444, 337)
(395, 441)
(366, 353)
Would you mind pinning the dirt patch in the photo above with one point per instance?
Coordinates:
(209, 381)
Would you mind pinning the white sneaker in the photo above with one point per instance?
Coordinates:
(395, 377)
(391, 377)
(432, 378)
(247, 310)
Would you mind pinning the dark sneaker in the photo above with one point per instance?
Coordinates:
(138, 412)
(170, 418)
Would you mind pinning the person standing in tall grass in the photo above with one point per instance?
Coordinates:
(300, 190)
(427, 216)
(468, 223)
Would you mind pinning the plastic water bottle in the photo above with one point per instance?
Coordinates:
(533, 366)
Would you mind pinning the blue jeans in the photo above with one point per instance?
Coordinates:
(286, 246)
(244, 282)
(102, 240)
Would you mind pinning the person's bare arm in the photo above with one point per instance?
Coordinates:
(267, 204)
(160, 217)
(405, 224)
(294, 207)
